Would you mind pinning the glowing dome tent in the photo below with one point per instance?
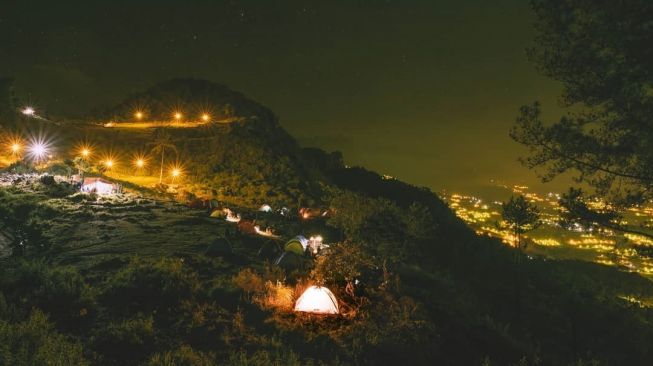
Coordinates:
(296, 245)
(317, 300)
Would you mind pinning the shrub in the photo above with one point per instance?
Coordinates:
(276, 296)
(147, 285)
(59, 291)
(60, 169)
(250, 282)
(21, 167)
(183, 356)
(47, 180)
(34, 342)
(134, 338)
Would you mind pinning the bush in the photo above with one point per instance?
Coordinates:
(60, 190)
(249, 281)
(21, 167)
(60, 169)
(147, 285)
(59, 291)
(47, 180)
(34, 342)
(183, 356)
(128, 341)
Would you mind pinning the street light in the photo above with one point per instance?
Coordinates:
(178, 116)
(109, 164)
(85, 152)
(138, 115)
(175, 172)
(139, 163)
(205, 117)
(38, 150)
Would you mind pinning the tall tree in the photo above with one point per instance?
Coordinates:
(7, 103)
(520, 216)
(162, 141)
(600, 51)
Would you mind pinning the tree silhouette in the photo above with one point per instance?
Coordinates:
(162, 141)
(520, 217)
(600, 53)
(81, 164)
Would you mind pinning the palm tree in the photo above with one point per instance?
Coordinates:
(162, 141)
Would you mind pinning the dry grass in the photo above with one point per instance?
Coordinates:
(278, 297)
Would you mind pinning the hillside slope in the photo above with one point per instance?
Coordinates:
(138, 279)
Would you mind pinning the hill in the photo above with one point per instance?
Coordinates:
(137, 278)
(240, 154)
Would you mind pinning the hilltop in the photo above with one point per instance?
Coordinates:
(148, 277)
(240, 154)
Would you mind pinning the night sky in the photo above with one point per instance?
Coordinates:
(422, 90)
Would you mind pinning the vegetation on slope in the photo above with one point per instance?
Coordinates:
(140, 280)
(136, 293)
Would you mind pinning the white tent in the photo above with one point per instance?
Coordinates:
(99, 186)
(318, 300)
(265, 208)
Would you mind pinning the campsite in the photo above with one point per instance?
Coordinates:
(256, 183)
(141, 271)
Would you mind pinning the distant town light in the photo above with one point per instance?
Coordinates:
(176, 172)
(205, 117)
(178, 115)
(28, 111)
(138, 115)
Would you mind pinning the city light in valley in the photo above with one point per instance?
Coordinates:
(552, 240)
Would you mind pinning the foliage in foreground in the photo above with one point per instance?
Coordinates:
(410, 288)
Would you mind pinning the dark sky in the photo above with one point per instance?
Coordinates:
(422, 90)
